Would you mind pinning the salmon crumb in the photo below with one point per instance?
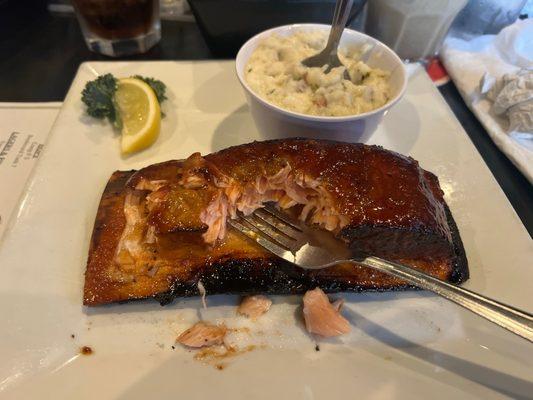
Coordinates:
(254, 306)
(322, 317)
(203, 334)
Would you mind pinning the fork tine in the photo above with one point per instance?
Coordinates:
(270, 209)
(275, 223)
(247, 222)
(271, 233)
(261, 240)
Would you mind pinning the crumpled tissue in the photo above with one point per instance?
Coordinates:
(493, 75)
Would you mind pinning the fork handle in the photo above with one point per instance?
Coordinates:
(340, 17)
(510, 318)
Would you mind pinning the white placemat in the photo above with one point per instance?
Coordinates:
(23, 132)
(507, 52)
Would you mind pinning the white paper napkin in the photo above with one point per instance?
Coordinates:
(23, 133)
(506, 53)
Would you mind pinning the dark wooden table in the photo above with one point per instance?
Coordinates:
(41, 52)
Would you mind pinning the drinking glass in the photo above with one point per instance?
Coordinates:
(119, 27)
(415, 29)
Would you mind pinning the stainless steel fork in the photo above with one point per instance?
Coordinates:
(313, 248)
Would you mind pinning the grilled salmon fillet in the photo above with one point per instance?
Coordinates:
(161, 230)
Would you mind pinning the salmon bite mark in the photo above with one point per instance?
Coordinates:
(286, 188)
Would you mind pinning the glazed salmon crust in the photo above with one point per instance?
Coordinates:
(162, 230)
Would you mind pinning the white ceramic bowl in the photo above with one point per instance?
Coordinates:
(274, 122)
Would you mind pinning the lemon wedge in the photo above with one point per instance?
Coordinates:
(140, 114)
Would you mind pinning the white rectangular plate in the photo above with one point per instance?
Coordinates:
(402, 344)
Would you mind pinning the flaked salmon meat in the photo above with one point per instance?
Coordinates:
(322, 317)
(254, 306)
(203, 334)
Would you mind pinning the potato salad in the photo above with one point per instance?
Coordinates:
(275, 73)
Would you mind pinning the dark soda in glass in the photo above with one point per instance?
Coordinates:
(119, 27)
